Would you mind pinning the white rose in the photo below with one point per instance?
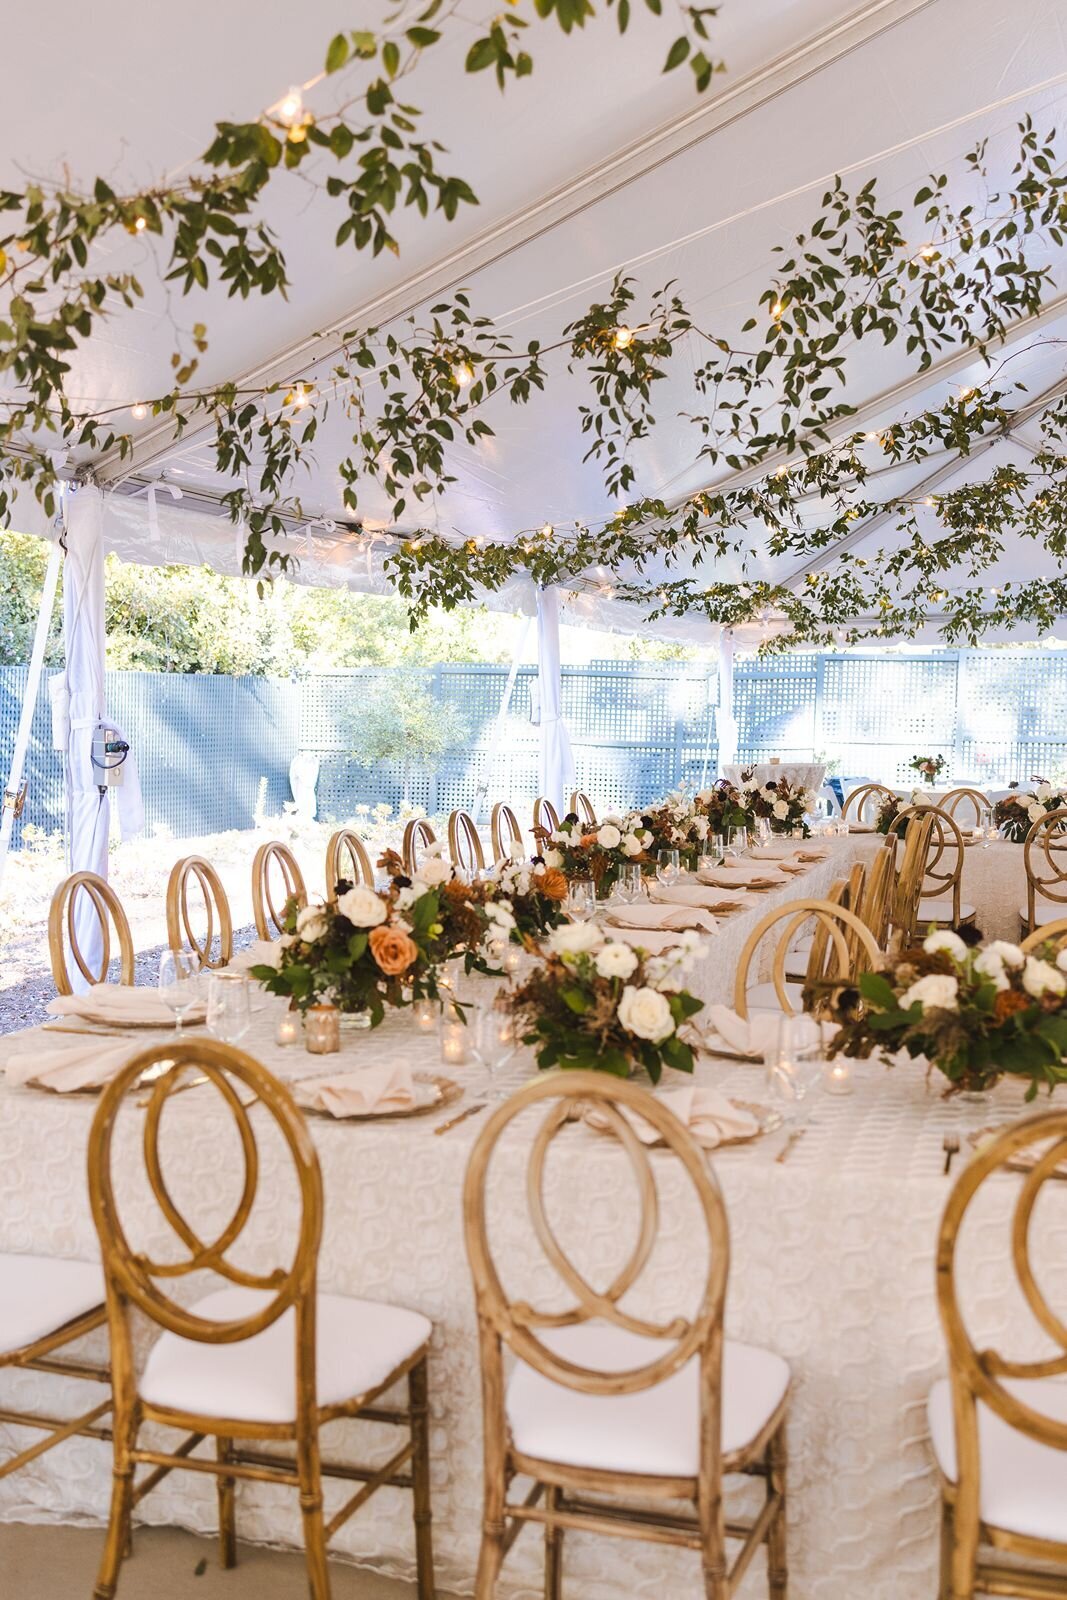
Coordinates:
(700, 827)
(1040, 977)
(919, 797)
(500, 913)
(631, 845)
(406, 897)
(934, 993)
(608, 836)
(705, 795)
(615, 961)
(362, 907)
(1035, 812)
(1061, 959)
(575, 938)
(271, 954)
(432, 871)
(645, 1012)
(1010, 954)
(561, 836)
(311, 924)
(552, 858)
(1042, 791)
(944, 939)
(780, 809)
(990, 966)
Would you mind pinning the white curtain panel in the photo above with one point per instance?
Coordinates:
(557, 761)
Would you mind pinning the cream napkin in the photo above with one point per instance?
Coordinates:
(743, 877)
(645, 914)
(370, 1092)
(861, 827)
(774, 850)
(76, 1064)
(119, 1004)
(747, 1038)
(709, 1116)
(257, 954)
(696, 894)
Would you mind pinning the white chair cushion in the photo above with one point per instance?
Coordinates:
(1045, 911)
(359, 1343)
(1023, 1484)
(941, 911)
(764, 997)
(656, 1431)
(39, 1295)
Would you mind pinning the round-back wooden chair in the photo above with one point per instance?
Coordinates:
(1054, 933)
(464, 843)
(1045, 864)
(909, 865)
(842, 947)
(545, 816)
(577, 1369)
(203, 1376)
(582, 807)
(347, 861)
(83, 904)
(867, 796)
(505, 833)
(417, 834)
(970, 800)
(996, 1417)
(182, 929)
(878, 890)
(275, 860)
(941, 900)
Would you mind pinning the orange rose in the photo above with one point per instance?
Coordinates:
(1008, 1002)
(393, 950)
(587, 841)
(553, 884)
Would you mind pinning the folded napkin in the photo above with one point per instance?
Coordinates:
(258, 954)
(647, 914)
(774, 850)
(119, 1004)
(742, 877)
(709, 1116)
(66, 1068)
(370, 1092)
(698, 894)
(751, 1037)
(861, 827)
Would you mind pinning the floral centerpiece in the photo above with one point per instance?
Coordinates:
(530, 893)
(580, 850)
(725, 807)
(974, 1012)
(1016, 814)
(606, 1007)
(928, 767)
(785, 805)
(892, 806)
(677, 823)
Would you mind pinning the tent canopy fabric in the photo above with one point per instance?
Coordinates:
(598, 163)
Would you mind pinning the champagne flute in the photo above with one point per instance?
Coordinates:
(178, 986)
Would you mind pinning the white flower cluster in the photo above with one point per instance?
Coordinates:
(643, 1010)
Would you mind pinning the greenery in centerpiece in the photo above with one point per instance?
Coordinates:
(928, 767)
(783, 804)
(676, 823)
(893, 805)
(1016, 814)
(603, 1006)
(976, 1012)
(597, 852)
(725, 807)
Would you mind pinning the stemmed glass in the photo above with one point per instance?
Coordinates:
(794, 1067)
(228, 1009)
(179, 987)
(736, 842)
(668, 867)
(495, 1041)
(631, 885)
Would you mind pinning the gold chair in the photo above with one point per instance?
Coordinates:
(868, 794)
(181, 933)
(268, 913)
(842, 948)
(965, 796)
(347, 861)
(512, 845)
(417, 834)
(1045, 864)
(545, 816)
(908, 883)
(87, 889)
(995, 1422)
(46, 1304)
(877, 895)
(602, 1402)
(582, 808)
(464, 844)
(264, 1358)
(940, 897)
(1047, 933)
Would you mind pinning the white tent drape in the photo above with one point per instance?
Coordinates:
(725, 721)
(557, 761)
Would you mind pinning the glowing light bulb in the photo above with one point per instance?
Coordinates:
(622, 338)
(994, 592)
(929, 500)
(966, 393)
(138, 412)
(777, 309)
(140, 224)
(928, 251)
(463, 374)
(290, 107)
(870, 437)
(546, 530)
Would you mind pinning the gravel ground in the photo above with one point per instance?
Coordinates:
(23, 1005)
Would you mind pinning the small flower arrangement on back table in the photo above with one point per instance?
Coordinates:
(893, 805)
(928, 767)
(600, 1005)
(1016, 814)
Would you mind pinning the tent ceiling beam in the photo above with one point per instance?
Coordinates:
(749, 94)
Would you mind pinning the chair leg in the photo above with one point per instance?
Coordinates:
(120, 1520)
(713, 1545)
(310, 1473)
(777, 1561)
(227, 1510)
(491, 1554)
(963, 1553)
(553, 1550)
(945, 1587)
(490, 1561)
(418, 1393)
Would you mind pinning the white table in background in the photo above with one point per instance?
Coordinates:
(801, 774)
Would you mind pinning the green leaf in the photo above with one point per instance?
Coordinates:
(422, 38)
(391, 57)
(337, 54)
(481, 54)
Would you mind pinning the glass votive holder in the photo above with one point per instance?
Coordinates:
(424, 1013)
(798, 830)
(511, 961)
(454, 1036)
(288, 1029)
(837, 1076)
(322, 1030)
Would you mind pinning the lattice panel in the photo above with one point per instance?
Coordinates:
(774, 703)
(888, 701)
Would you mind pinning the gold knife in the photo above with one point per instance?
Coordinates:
(454, 1122)
(794, 1138)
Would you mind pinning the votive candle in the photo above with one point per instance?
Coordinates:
(288, 1029)
(322, 1030)
(839, 1077)
(425, 1014)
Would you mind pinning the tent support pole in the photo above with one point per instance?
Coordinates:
(725, 720)
(482, 792)
(29, 703)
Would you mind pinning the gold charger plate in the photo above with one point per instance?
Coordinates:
(97, 1019)
(450, 1092)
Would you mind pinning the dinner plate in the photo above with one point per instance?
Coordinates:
(433, 1094)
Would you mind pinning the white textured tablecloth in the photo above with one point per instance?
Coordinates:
(994, 880)
(805, 774)
(832, 1265)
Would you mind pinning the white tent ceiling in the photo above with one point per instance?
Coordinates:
(596, 163)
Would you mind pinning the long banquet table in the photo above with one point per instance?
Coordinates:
(832, 1256)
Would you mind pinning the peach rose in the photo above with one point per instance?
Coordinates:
(393, 950)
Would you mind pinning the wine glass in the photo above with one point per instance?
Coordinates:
(736, 842)
(631, 884)
(668, 866)
(794, 1066)
(179, 987)
(581, 900)
(495, 1041)
(228, 1010)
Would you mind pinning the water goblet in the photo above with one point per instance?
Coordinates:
(794, 1066)
(736, 842)
(179, 986)
(668, 866)
(228, 1010)
(581, 900)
